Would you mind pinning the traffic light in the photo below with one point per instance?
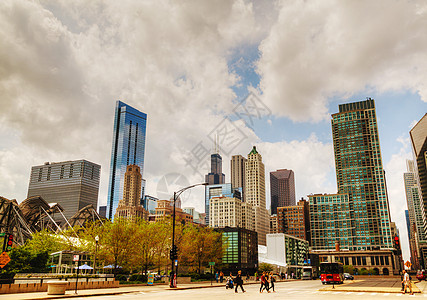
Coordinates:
(8, 242)
(396, 242)
(174, 252)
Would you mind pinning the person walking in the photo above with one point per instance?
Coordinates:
(256, 276)
(239, 281)
(272, 280)
(264, 283)
(221, 277)
(216, 276)
(407, 282)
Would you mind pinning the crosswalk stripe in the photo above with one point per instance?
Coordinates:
(360, 293)
(373, 294)
(349, 293)
(386, 294)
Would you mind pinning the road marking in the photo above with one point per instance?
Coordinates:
(361, 294)
(373, 294)
(386, 294)
(349, 293)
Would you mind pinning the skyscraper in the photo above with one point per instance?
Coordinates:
(130, 206)
(294, 220)
(128, 149)
(215, 176)
(418, 136)
(255, 193)
(282, 189)
(360, 173)
(416, 232)
(238, 173)
(71, 184)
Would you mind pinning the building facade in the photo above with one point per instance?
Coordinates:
(128, 149)
(237, 168)
(360, 174)
(130, 206)
(255, 193)
(216, 190)
(381, 262)
(331, 220)
(225, 212)
(71, 184)
(150, 204)
(416, 232)
(418, 136)
(282, 189)
(241, 252)
(294, 220)
(164, 209)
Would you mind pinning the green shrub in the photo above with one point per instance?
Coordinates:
(121, 277)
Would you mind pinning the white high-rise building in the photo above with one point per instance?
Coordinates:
(255, 193)
(225, 211)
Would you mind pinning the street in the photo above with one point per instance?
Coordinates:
(284, 290)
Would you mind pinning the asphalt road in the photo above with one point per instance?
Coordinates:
(284, 290)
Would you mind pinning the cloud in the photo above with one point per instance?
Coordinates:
(319, 50)
(63, 65)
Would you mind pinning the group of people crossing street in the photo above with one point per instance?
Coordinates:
(267, 282)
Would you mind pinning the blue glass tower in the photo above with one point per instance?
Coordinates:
(128, 149)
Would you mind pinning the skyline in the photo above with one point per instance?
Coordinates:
(299, 64)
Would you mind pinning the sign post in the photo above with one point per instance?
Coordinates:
(211, 265)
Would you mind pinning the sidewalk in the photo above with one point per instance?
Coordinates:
(115, 291)
(392, 285)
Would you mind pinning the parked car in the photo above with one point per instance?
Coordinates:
(348, 276)
(422, 275)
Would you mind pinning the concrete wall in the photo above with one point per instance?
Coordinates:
(37, 287)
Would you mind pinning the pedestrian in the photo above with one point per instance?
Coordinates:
(272, 280)
(256, 276)
(239, 281)
(264, 283)
(286, 276)
(292, 277)
(247, 276)
(407, 282)
(216, 276)
(221, 277)
(401, 279)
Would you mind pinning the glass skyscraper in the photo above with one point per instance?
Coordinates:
(128, 149)
(360, 173)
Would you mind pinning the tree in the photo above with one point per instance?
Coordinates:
(264, 267)
(200, 245)
(349, 269)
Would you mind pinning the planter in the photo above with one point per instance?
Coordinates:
(56, 287)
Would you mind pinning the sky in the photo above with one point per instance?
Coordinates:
(263, 73)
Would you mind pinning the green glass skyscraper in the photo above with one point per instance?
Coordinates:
(360, 174)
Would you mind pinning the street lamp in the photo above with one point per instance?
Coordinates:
(96, 248)
(175, 196)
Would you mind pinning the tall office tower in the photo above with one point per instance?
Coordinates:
(417, 236)
(418, 136)
(282, 189)
(360, 173)
(128, 149)
(130, 206)
(215, 176)
(71, 184)
(238, 173)
(103, 211)
(294, 220)
(255, 193)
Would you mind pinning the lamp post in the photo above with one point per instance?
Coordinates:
(96, 248)
(175, 196)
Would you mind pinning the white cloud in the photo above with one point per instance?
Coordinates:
(318, 50)
(64, 64)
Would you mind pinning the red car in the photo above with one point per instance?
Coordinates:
(422, 275)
